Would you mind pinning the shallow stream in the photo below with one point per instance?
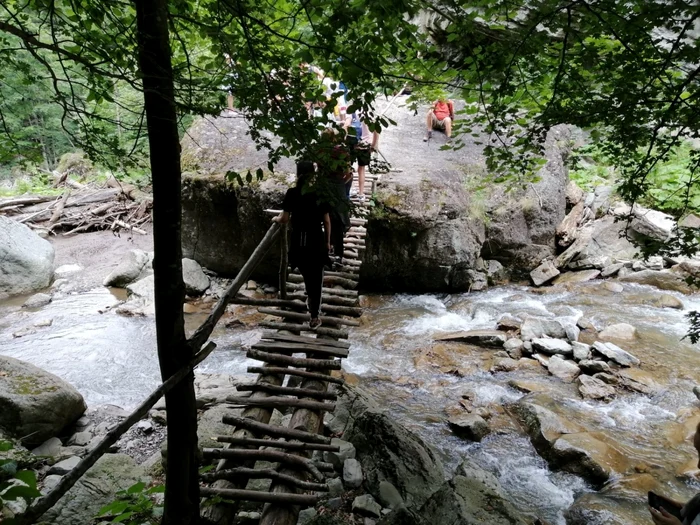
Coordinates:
(111, 359)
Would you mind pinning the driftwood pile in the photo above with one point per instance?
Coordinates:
(82, 207)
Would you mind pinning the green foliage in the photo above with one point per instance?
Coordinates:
(672, 185)
(15, 483)
(134, 506)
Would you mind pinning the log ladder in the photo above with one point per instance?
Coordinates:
(288, 348)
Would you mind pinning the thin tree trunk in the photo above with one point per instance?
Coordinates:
(182, 491)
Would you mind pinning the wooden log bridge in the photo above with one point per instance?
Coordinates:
(294, 377)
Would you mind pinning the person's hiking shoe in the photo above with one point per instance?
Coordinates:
(314, 323)
(428, 136)
(361, 198)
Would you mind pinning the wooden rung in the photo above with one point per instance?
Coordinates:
(277, 336)
(274, 443)
(287, 391)
(298, 305)
(294, 372)
(295, 348)
(306, 500)
(264, 455)
(329, 273)
(327, 299)
(274, 430)
(303, 317)
(280, 403)
(332, 291)
(332, 332)
(235, 474)
(299, 362)
(353, 246)
(329, 280)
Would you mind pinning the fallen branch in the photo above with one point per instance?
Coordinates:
(59, 209)
(129, 227)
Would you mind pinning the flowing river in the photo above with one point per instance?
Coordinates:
(111, 359)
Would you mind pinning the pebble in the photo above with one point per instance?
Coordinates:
(334, 503)
(306, 515)
(65, 466)
(80, 439)
(366, 506)
(335, 487)
(352, 473)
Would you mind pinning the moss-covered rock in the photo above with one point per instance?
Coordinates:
(35, 405)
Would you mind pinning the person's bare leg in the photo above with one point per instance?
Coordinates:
(448, 127)
(229, 99)
(361, 180)
(428, 125)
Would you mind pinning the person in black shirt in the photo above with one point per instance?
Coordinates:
(310, 244)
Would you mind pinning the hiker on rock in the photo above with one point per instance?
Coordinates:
(440, 116)
(310, 237)
(361, 143)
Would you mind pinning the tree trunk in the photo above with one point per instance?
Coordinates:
(182, 491)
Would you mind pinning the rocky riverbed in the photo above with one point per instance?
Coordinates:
(629, 434)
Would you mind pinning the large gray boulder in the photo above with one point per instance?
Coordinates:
(472, 497)
(98, 487)
(420, 236)
(26, 260)
(196, 282)
(35, 405)
(128, 270)
(388, 451)
(521, 230)
(223, 222)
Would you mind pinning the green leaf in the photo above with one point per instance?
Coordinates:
(136, 487)
(5, 445)
(113, 509)
(259, 174)
(20, 491)
(159, 489)
(123, 517)
(28, 477)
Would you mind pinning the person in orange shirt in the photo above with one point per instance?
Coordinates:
(440, 116)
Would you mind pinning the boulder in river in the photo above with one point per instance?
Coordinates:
(576, 277)
(592, 388)
(26, 260)
(128, 270)
(544, 273)
(591, 455)
(623, 331)
(552, 346)
(196, 283)
(536, 327)
(469, 426)
(471, 497)
(615, 353)
(493, 338)
(36, 405)
(662, 279)
(387, 451)
(565, 370)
